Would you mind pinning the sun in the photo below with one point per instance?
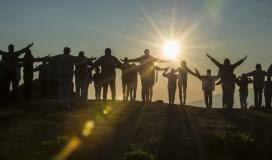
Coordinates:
(171, 49)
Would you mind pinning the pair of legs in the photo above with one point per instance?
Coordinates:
(171, 94)
(12, 79)
(52, 89)
(147, 91)
(82, 84)
(125, 89)
(268, 98)
(65, 90)
(132, 89)
(28, 77)
(228, 95)
(208, 98)
(111, 83)
(243, 100)
(258, 95)
(182, 85)
(97, 92)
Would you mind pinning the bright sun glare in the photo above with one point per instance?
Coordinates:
(171, 49)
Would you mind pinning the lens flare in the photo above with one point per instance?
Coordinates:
(89, 126)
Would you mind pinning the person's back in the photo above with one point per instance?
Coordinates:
(52, 71)
(243, 84)
(258, 78)
(65, 64)
(208, 83)
(108, 65)
(81, 68)
(172, 80)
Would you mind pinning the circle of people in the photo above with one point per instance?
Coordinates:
(56, 77)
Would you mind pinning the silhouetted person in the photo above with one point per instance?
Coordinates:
(66, 63)
(97, 79)
(183, 71)
(208, 86)
(82, 76)
(12, 65)
(3, 73)
(108, 65)
(258, 84)
(147, 73)
(52, 87)
(268, 92)
(227, 79)
(132, 81)
(43, 78)
(28, 60)
(172, 84)
(243, 82)
(269, 71)
(125, 76)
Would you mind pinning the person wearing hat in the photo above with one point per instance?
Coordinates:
(65, 70)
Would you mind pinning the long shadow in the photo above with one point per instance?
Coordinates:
(176, 144)
(117, 139)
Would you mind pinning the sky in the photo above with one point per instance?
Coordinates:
(222, 28)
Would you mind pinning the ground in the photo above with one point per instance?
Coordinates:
(129, 131)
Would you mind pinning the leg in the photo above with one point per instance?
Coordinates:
(184, 92)
(206, 99)
(210, 99)
(124, 89)
(105, 90)
(113, 90)
(77, 83)
(180, 92)
(260, 97)
(255, 97)
(150, 93)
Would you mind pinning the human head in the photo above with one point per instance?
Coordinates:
(209, 72)
(66, 50)
(172, 70)
(126, 60)
(11, 48)
(244, 76)
(227, 62)
(183, 64)
(108, 51)
(81, 54)
(258, 66)
(97, 70)
(146, 52)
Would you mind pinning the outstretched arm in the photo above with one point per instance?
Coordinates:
(249, 74)
(218, 64)
(162, 60)
(2, 53)
(139, 59)
(161, 69)
(191, 72)
(239, 62)
(18, 53)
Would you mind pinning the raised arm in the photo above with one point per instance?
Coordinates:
(197, 74)
(191, 72)
(238, 63)
(218, 64)
(18, 53)
(164, 73)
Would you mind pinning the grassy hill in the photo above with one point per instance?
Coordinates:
(129, 131)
